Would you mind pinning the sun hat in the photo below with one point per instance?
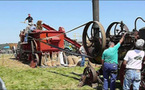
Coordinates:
(139, 43)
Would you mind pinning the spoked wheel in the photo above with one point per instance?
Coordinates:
(35, 57)
(35, 61)
(115, 31)
(94, 39)
(118, 28)
(89, 76)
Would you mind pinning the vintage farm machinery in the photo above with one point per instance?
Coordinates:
(42, 43)
(95, 40)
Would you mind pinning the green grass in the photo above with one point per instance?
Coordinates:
(41, 78)
(20, 76)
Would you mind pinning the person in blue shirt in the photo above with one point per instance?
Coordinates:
(33, 27)
(110, 64)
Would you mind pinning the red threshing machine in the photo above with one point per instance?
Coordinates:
(42, 41)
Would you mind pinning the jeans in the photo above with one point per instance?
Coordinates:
(26, 36)
(109, 69)
(132, 77)
(83, 60)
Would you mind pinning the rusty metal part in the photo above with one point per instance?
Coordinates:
(89, 76)
(35, 60)
(136, 22)
(95, 5)
(94, 44)
(35, 57)
(119, 29)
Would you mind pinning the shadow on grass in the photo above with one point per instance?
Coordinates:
(71, 77)
(118, 86)
(64, 75)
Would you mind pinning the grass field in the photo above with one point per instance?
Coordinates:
(20, 76)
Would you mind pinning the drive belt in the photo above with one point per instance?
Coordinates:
(70, 52)
(47, 38)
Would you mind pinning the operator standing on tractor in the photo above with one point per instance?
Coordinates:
(110, 64)
(30, 24)
(30, 19)
(133, 62)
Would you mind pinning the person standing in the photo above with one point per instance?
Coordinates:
(27, 30)
(110, 64)
(83, 52)
(30, 19)
(133, 63)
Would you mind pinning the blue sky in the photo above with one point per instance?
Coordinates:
(67, 14)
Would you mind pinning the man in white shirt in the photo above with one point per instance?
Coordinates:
(83, 52)
(133, 62)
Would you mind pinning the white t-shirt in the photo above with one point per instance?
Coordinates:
(134, 59)
(82, 50)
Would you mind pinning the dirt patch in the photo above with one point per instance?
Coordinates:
(8, 60)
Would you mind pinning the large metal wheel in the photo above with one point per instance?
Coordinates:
(114, 33)
(94, 40)
(89, 76)
(35, 57)
(117, 28)
(35, 61)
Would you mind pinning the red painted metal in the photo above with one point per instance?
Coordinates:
(54, 38)
(50, 35)
(65, 37)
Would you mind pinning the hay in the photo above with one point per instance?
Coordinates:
(70, 60)
(54, 58)
(57, 60)
(94, 65)
(75, 59)
(12, 45)
(49, 60)
(39, 25)
(49, 64)
(43, 59)
(53, 63)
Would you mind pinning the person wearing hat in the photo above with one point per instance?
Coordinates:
(110, 64)
(133, 64)
(30, 19)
